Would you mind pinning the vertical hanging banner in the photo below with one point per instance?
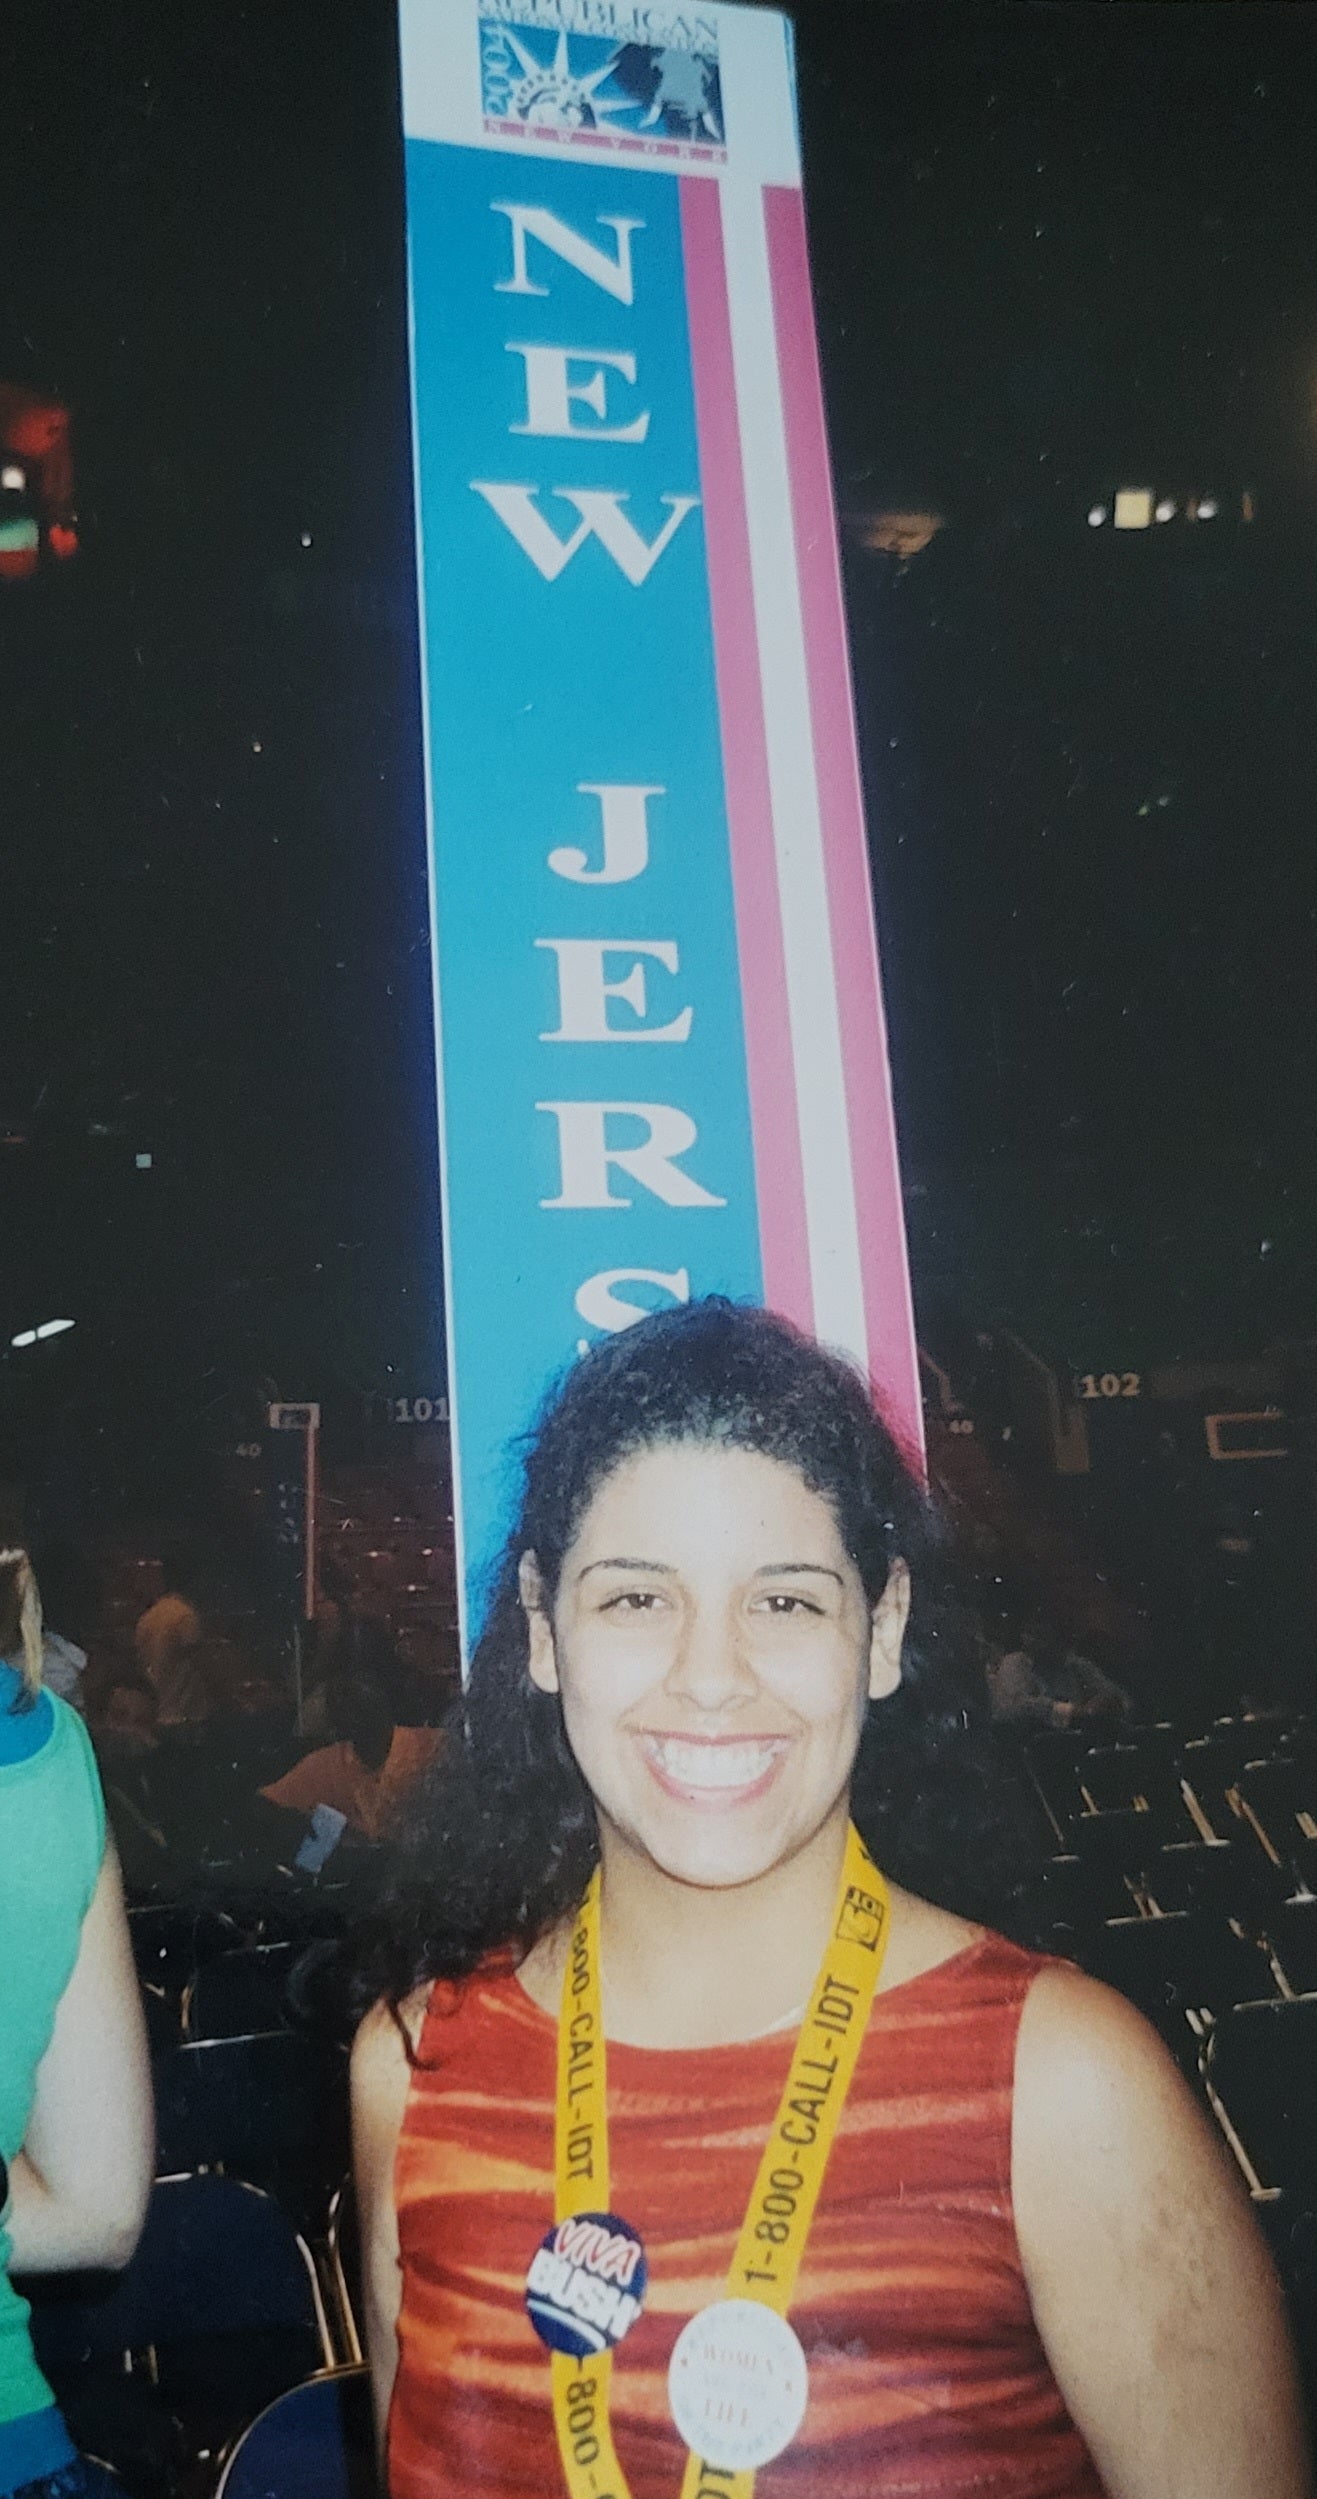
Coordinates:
(662, 1062)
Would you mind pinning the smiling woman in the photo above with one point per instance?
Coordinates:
(713, 1699)
(689, 2029)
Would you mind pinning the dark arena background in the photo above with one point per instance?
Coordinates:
(1067, 301)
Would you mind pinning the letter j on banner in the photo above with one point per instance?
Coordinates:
(662, 1063)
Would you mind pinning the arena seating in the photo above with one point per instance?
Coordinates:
(1260, 2061)
(270, 2107)
(239, 1993)
(398, 1553)
(1185, 1874)
(220, 2310)
(1174, 1864)
(1292, 1937)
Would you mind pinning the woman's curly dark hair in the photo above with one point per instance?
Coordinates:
(502, 1839)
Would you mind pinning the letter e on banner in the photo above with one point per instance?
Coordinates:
(551, 389)
(583, 992)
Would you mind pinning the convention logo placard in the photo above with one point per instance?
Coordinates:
(596, 73)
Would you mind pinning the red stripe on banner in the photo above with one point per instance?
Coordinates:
(888, 1309)
(770, 1068)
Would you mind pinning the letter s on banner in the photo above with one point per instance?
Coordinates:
(601, 1306)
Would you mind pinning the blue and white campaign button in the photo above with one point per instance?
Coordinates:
(586, 2284)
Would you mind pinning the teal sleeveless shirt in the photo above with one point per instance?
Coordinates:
(52, 1840)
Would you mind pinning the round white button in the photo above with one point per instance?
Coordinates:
(738, 2384)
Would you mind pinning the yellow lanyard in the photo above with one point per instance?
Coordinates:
(786, 2190)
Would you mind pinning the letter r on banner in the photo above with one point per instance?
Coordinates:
(585, 1154)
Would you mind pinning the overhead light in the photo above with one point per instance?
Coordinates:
(1133, 507)
(1208, 508)
(1165, 510)
(1097, 513)
(12, 478)
(28, 1336)
(54, 1327)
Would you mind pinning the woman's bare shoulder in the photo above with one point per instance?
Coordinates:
(382, 2052)
(1097, 2095)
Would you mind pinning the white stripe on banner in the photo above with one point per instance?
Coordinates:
(830, 1220)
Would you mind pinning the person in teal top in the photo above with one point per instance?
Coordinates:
(75, 2092)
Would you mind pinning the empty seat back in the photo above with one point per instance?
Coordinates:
(1262, 2063)
(239, 1993)
(216, 2257)
(315, 2442)
(270, 2108)
(1172, 1966)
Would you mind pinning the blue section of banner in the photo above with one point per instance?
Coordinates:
(533, 687)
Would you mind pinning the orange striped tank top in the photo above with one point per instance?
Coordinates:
(927, 2378)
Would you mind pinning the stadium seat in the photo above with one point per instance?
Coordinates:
(1067, 1896)
(1261, 2061)
(1292, 1935)
(170, 1939)
(1280, 1801)
(1133, 1777)
(270, 2108)
(1289, 2224)
(1051, 1759)
(239, 1993)
(343, 2255)
(1233, 1879)
(222, 2304)
(1215, 1764)
(1124, 1843)
(315, 2442)
(1177, 1966)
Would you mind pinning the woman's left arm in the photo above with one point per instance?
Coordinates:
(1150, 2282)
(79, 2186)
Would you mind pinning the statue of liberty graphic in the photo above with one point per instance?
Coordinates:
(580, 83)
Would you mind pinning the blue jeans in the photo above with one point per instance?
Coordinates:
(79, 2480)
